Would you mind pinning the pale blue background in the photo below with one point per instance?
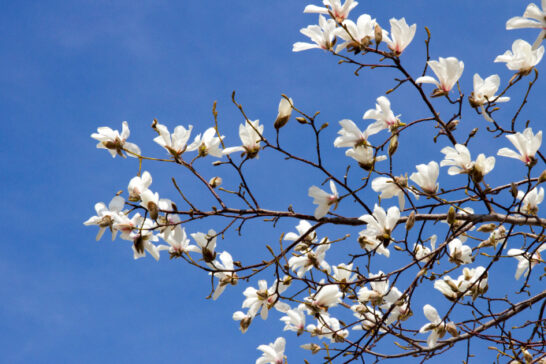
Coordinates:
(71, 66)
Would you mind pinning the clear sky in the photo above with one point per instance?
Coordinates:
(69, 67)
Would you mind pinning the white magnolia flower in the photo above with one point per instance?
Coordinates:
(106, 217)
(527, 145)
(251, 134)
(264, 299)
(178, 242)
(426, 177)
(126, 225)
(522, 58)
(150, 201)
(364, 156)
(401, 35)
(311, 238)
(343, 273)
(380, 288)
(338, 10)
(532, 18)
(372, 244)
(422, 252)
(323, 199)
(448, 287)
(484, 90)
(390, 188)
(328, 327)
(461, 162)
(530, 200)
(139, 184)
(294, 320)
(350, 135)
(380, 224)
(207, 244)
(169, 220)
(448, 70)
(357, 35)
(224, 273)
(473, 282)
(143, 238)
(311, 259)
(284, 113)
(383, 116)
(497, 236)
(459, 253)
(526, 262)
(437, 327)
(115, 142)
(323, 35)
(369, 317)
(207, 144)
(175, 144)
(326, 297)
(244, 318)
(273, 353)
(400, 308)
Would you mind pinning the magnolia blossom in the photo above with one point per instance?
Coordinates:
(372, 244)
(312, 259)
(178, 242)
(390, 188)
(343, 273)
(381, 224)
(426, 177)
(284, 113)
(526, 262)
(401, 35)
(251, 134)
(339, 11)
(264, 299)
(115, 142)
(326, 297)
(328, 327)
(532, 18)
(357, 35)
(309, 239)
(397, 304)
(225, 273)
(323, 35)
(139, 184)
(273, 353)
(460, 161)
(207, 244)
(484, 91)
(350, 135)
(459, 253)
(364, 155)
(530, 200)
(380, 288)
(143, 238)
(106, 217)
(527, 145)
(324, 199)
(126, 225)
(175, 144)
(150, 201)
(294, 320)
(422, 252)
(437, 327)
(522, 58)
(448, 70)
(383, 116)
(368, 317)
(207, 144)
(244, 318)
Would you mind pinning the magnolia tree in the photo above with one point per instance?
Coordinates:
(430, 240)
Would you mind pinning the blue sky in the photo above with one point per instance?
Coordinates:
(71, 66)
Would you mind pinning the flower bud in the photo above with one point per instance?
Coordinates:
(215, 182)
(527, 356)
(393, 145)
(487, 228)
(378, 33)
(411, 221)
(301, 120)
(542, 177)
(452, 329)
(451, 216)
(513, 189)
(285, 111)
